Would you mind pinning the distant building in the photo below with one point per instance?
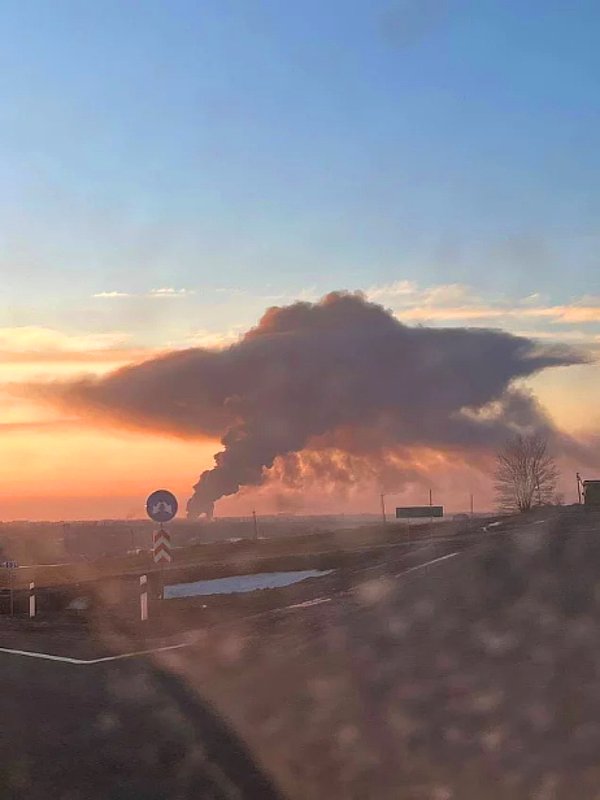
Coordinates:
(591, 493)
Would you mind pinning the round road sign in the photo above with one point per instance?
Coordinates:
(161, 506)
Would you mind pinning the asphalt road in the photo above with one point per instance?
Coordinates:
(116, 730)
(84, 718)
(467, 669)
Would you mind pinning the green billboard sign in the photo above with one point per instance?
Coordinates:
(419, 512)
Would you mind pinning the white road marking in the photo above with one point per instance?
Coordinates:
(307, 603)
(139, 653)
(383, 565)
(43, 656)
(88, 661)
(319, 600)
(81, 662)
(426, 564)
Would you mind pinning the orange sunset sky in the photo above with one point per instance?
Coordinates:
(58, 465)
(171, 170)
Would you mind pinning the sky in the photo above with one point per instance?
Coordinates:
(171, 169)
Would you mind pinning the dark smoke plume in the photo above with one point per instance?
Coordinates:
(340, 373)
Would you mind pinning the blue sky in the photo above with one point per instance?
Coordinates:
(341, 144)
(169, 169)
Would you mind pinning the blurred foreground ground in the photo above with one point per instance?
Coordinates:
(464, 667)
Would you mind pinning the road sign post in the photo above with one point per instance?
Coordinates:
(161, 507)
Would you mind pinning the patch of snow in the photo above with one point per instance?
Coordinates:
(237, 584)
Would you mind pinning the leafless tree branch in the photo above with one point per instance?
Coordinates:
(526, 473)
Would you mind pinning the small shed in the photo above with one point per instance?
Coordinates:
(591, 493)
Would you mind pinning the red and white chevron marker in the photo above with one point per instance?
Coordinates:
(162, 546)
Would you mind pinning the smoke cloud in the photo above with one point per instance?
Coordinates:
(339, 375)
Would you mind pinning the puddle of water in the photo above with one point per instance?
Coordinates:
(236, 584)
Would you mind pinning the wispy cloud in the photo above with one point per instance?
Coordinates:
(309, 294)
(408, 294)
(554, 315)
(388, 291)
(567, 314)
(162, 291)
(453, 304)
(213, 340)
(457, 303)
(111, 356)
(169, 291)
(33, 338)
(28, 352)
(576, 336)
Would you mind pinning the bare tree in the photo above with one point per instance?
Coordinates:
(526, 473)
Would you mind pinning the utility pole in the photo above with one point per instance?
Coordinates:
(472, 504)
(382, 498)
(430, 498)
(255, 525)
(578, 487)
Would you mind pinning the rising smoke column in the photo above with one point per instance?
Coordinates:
(342, 370)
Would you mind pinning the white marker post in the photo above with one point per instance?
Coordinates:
(31, 600)
(143, 597)
(12, 590)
